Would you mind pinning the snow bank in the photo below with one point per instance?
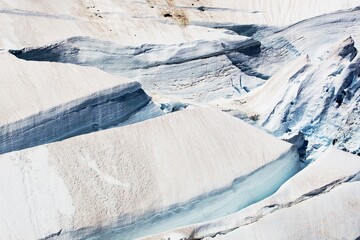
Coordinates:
(119, 176)
(44, 102)
(320, 202)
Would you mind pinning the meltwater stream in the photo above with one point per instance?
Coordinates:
(242, 193)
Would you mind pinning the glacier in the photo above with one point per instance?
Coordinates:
(120, 120)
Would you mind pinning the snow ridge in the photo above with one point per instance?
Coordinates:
(102, 110)
(199, 70)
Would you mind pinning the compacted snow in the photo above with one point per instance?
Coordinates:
(122, 175)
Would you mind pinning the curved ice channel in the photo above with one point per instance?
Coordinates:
(243, 192)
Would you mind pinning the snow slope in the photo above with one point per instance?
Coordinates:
(118, 22)
(320, 202)
(259, 12)
(280, 46)
(178, 49)
(44, 102)
(143, 17)
(112, 178)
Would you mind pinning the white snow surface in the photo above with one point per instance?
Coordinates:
(190, 55)
(28, 88)
(137, 22)
(123, 22)
(113, 177)
(197, 70)
(45, 102)
(320, 202)
(200, 61)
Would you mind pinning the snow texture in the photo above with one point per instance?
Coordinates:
(112, 178)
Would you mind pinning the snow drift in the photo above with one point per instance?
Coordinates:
(86, 185)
